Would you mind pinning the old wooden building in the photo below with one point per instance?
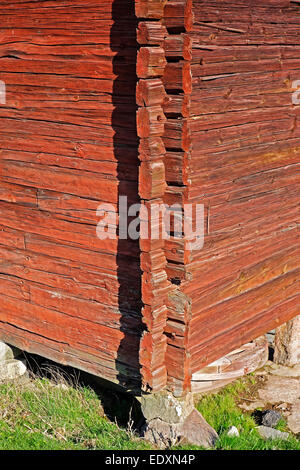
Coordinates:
(164, 102)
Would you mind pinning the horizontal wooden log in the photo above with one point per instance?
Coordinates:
(111, 370)
(253, 328)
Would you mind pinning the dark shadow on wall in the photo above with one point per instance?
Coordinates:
(123, 44)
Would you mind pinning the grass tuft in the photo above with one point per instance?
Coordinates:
(49, 415)
(221, 411)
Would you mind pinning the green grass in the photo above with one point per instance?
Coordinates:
(221, 412)
(54, 415)
(42, 415)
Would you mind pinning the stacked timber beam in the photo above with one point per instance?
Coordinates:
(163, 96)
(177, 81)
(151, 95)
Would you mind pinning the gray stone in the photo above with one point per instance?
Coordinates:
(171, 420)
(287, 343)
(166, 407)
(194, 430)
(233, 432)
(8, 352)
(285, 371)
(269, 433)
(252, 405)
(162, 434)
(11, 370)
(293, 420)
(197, 431)
(270, 418)
(280, 390)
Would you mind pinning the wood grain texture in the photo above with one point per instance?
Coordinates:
(241, 160)
(151, 95)
(162, 101)
(69, 143)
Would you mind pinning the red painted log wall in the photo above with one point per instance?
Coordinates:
(68, 143)
(237, 152)
(164, 101)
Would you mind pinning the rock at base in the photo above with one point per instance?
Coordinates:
(194, 430)
(287, 343)
(270, 418)
(280, 390)
(197, 431)
(165, 406)
(251, 406)
(161, 434)
(293, 420)
(285, 371)
(11, 369)
(8, 352)
(269, 433)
